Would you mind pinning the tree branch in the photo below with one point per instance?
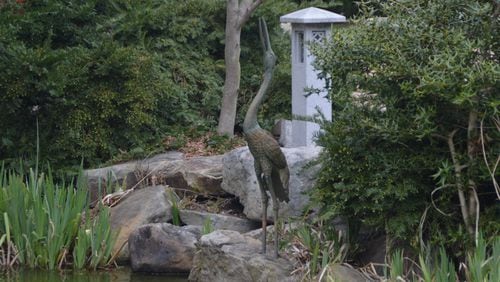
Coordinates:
(247, 7)
(490, 170)
(460, 186)
(472, 149)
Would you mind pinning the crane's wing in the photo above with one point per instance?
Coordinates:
(280, 174)
(280, 179)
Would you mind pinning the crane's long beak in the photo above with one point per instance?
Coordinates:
(264, 36)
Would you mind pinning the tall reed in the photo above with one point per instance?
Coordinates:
(316, 247)
(482, 263)
(45, 220)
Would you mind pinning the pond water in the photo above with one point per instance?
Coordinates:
(117, 275)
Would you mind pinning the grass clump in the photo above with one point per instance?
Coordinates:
(46, 225)
(314, 247)
(482, 263)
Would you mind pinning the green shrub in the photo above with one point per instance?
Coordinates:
(43, 220)
(415, 132)
(103, 78)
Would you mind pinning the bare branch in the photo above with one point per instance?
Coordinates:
(490, 171)
(247, 7)
(460, 186)
(476, 231)
(442, 137)
(421, 229)
(432, 199)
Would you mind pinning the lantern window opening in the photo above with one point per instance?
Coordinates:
(300, 46)
(318, 36)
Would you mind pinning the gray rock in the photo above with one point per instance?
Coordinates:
(257, 233)
(342, 273)
(163, 248)
(125, 175)
(142, 206)
(200, 174)
(226, 255)
(239, 179)
(218, 221)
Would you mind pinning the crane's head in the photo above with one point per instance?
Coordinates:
(269, 57)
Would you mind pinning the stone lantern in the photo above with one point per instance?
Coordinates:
(307, 26)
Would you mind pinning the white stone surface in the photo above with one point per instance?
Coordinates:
(308, 25)
(240, 180)
(312, 15)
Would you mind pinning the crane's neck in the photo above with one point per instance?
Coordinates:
(250, 121)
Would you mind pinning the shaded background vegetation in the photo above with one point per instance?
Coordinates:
(106, 77)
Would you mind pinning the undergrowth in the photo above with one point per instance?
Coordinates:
(48, 225)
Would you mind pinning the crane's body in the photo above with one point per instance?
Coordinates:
(270, 164)
(271, 159)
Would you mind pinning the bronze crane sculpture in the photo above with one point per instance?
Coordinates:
(270, 164)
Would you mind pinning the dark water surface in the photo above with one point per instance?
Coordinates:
(117, 275)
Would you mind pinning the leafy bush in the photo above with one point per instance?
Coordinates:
(102, 77)
(415, 113)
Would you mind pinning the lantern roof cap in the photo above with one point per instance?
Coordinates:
(313, 15)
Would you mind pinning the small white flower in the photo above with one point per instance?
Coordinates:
(35, 108)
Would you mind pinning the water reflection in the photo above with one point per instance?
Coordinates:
(118, 275)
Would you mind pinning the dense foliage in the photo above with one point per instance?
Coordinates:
(414, 137)
(105, 77)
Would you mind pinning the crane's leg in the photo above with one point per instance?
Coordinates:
(276, 207)
(264, 220)
(265, 200)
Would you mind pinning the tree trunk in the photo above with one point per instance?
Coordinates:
(237, 13)
(233, 71)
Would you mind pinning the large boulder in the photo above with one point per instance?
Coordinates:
(125, 175)
(200, 174)
(239, 179)
(226, 255)
(142, 206)
(163, 248)
(218, 221)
